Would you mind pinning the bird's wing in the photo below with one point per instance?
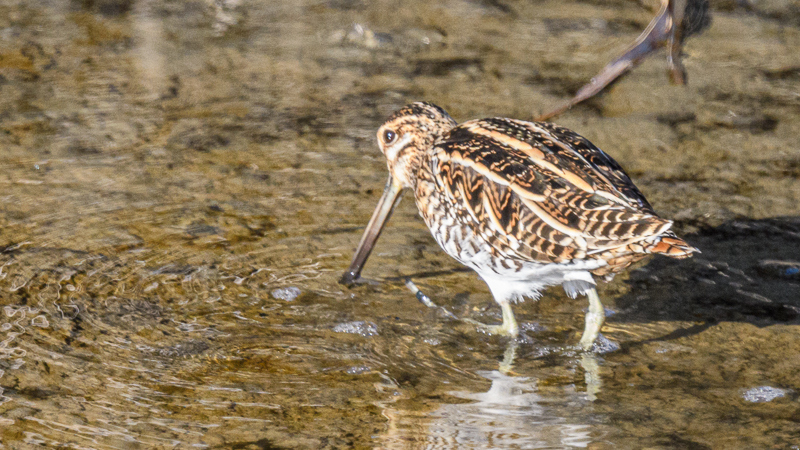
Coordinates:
(539, 191)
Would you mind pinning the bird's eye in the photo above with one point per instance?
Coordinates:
(389, 137)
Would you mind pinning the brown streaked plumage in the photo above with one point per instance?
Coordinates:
(524, 204)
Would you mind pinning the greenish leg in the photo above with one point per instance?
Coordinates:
(508, 328)
(508, 357)
(591, 373)
(594, 320)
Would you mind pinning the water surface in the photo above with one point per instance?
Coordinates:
(184, 182)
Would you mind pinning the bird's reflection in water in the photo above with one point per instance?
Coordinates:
(588, 362)
(511, 414)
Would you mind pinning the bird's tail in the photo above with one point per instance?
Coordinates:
(668, 244)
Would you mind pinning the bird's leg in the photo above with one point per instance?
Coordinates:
(676, 20)
(508, 358)
(591, 371)
(677, 73)
(424, 299)
(594, 320)
(509, 326)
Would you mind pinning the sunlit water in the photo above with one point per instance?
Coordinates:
(184, 182)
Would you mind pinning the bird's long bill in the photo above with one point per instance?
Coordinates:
(389, 199)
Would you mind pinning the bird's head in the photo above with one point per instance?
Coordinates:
(404, 139)
(408, 134)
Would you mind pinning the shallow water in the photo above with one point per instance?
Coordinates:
(184, 182)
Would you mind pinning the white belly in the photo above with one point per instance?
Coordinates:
(514, 279)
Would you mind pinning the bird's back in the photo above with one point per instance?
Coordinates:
(538, 193)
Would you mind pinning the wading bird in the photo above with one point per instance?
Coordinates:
(526, 205)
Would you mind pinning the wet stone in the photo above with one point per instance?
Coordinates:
(604, 345)
(288, 293)
(779, 269)
(763, 394)
(432, 341)
(357, 370)
(533, 327)
(357, 327)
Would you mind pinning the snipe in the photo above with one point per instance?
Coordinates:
(525, 204)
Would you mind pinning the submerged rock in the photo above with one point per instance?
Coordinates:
(763, 394)
(357, 327)
(288, 293)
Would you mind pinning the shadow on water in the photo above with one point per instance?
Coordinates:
(748, 271)
(733, 312)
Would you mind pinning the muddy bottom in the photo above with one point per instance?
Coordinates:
(184, 183)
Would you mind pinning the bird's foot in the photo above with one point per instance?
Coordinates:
(509, 328)
(506, 329)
